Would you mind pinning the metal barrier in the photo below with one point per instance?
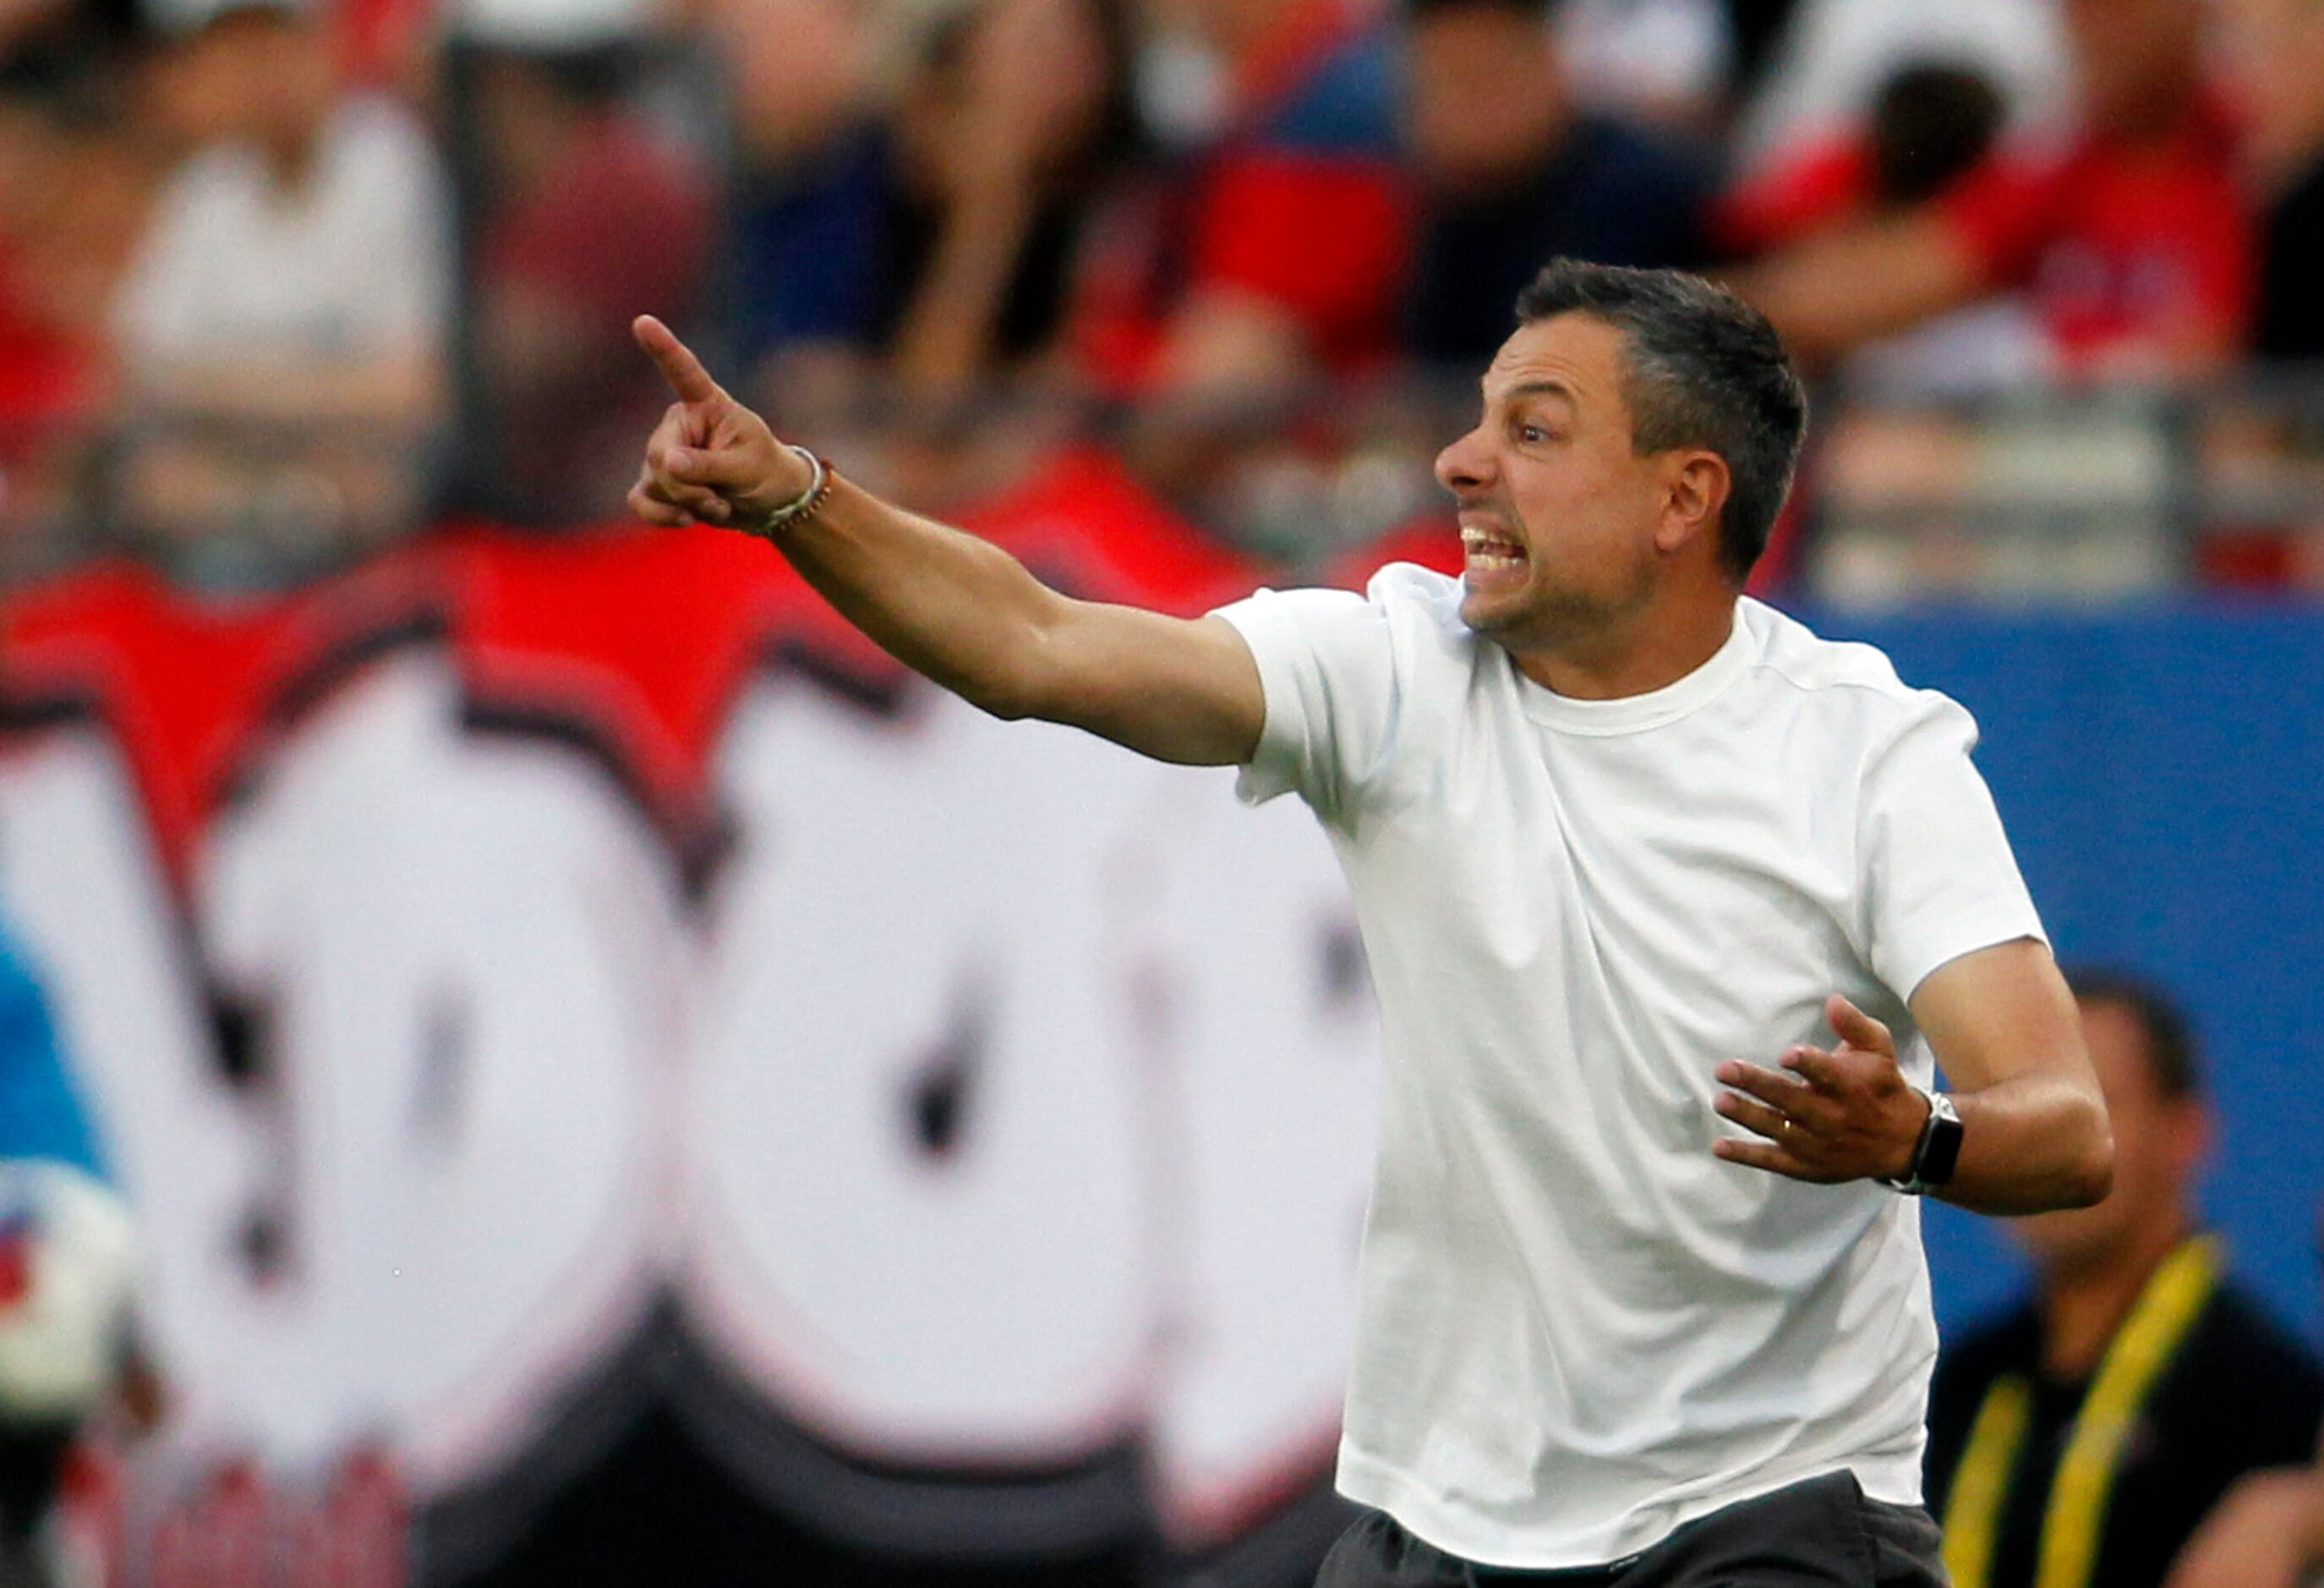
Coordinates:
(2098, 493)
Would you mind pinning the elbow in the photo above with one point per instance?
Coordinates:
(1011, 683)
(1006, 701)
(1014, 690)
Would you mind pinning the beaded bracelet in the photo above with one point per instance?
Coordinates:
(802, 507)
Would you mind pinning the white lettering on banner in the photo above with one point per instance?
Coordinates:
(1257, 998)
(925, 1223)
(460, 957)
(1013, 1102)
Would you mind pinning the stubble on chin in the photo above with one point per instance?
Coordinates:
(1543, 613)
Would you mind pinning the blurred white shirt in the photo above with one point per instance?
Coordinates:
(356, 264)
(1837, 53)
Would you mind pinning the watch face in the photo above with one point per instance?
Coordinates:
(1941, 1149)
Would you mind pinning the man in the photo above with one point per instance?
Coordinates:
(2081, 1440)
(1513, 172)
(2279, 58)
(1607, 827)
(1270, 249)
(2131, 240)
(2268, 1532)
(282, 329)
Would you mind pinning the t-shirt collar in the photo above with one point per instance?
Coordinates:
(1634, 713)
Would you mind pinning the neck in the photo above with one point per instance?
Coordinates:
(1633, 653)
(2083, 1310)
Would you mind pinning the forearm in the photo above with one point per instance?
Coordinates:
(947, 331)
(1830, 295)
(2030, 1144)
(949, 606)
(945, 603)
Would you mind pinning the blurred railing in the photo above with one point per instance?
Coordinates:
(2089, 494)
(2094, 493)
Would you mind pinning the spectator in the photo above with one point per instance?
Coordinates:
(1017, 114)
(2081, 1440)
(1931, 124)
(1513, 175)
(2282, 97)
(1276, 250)
(811, 191)
(65, 1269)
(1822, 68)
(283, 326)
(944, 238)
(75, 184)
(2133, 240)
(573, 176)
(2268, 1532)
(1670, 62)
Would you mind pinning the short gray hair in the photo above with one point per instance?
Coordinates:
(1704, 369)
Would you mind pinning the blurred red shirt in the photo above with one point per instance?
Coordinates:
(1302, 202)
(2121, 247)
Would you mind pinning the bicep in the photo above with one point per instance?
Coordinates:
(1178, 689)
(2002, 1012)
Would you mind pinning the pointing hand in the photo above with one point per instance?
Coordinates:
(710, 459)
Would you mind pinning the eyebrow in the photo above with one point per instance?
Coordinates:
(1525, 389)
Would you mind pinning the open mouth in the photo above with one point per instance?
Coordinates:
(1488, 552)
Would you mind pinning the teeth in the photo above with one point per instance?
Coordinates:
(1489, 551)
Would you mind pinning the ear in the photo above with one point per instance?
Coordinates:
(1696, 485)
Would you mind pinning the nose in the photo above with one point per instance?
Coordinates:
(1465, 466)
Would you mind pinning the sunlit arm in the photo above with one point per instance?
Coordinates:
(2005, 1030)
(968, 615)
(954, 608)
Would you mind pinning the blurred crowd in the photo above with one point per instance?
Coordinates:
(297, 273)
(282, 280)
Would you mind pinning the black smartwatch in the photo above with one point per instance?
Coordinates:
(1936, 1152)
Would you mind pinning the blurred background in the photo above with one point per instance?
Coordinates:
(530, 1054)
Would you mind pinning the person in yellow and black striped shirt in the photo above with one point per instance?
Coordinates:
(2078, 1443)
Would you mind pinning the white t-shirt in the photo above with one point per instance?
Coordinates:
(1577, 1328)
(357, 263)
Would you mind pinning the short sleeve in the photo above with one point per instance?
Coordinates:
(1937, 876)
(1327, 666)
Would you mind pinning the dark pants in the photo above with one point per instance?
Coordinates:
(1819, 1534)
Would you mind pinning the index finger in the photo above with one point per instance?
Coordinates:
(679, 366)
